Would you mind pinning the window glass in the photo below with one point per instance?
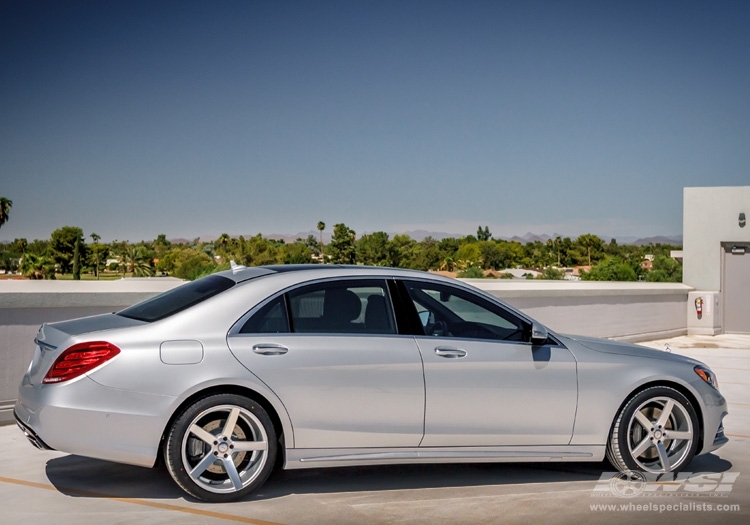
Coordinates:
(270, 319)
(361, 307)
(446, 311)
(177, 299)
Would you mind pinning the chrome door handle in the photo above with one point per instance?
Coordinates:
(450, 352)
(270, 349)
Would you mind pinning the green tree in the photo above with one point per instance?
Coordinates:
(472, 272)
(312, 244)
(9, 258)
(38, 247)
(590, 242)
(665, 269)
(469, 254)
(19, 245)
(222, 244)
(552, 274)
(161, 245)
(36, 266)
(77, 259)
(374, 249)
(96, 253)
(427, 255)
(321, 227)
(403, 251)
(194, 264)
(610, 269)
(513, 253)
(5, 206)
(490, 254)
(169, 260)
(295, 253)
(63, 246)
(613, 249)
(566, 249)
(342, 247)
(536, 255)
(136, 260)
(447, 264)
(448, 247)
(484, 234)
(257, 251)
(556, 247)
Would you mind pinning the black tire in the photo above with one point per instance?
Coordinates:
(242, 460)
(642, 440)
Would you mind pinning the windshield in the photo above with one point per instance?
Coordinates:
(177, 299)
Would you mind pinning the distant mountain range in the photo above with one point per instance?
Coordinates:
(659, 239)
(419, 235)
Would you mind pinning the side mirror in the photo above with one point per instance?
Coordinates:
(538, 334)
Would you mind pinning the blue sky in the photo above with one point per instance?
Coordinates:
(131, 119)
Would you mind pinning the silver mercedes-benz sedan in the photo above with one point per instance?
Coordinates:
(321, 366)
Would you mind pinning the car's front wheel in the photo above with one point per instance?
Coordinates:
(221, 448)
(656, 431)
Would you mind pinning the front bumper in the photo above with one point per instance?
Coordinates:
(714, 408)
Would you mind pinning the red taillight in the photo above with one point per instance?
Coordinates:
(79, 359)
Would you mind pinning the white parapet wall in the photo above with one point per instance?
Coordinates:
(25, 305)
(630, 311)
(617, 310)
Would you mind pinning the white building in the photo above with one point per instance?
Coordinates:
(716, 255)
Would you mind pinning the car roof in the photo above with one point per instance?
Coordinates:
(242, 273)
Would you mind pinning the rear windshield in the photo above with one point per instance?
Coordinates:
(177, 299)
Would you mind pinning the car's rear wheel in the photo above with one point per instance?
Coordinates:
(656, 431)
(221, 448)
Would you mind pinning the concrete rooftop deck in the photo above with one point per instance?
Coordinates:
(51, 487)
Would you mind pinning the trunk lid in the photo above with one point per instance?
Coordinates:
(53, 338)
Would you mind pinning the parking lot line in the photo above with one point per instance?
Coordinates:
(135, 501)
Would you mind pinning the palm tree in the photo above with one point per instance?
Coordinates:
(96, 238)
(5, 206)
(21, 243)
(222, 243)
(135, 260)
(37, 266)
(321, 227)
(588, 241)
(447, 265)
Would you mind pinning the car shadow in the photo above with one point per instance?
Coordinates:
(85, 477)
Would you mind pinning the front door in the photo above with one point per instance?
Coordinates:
(485, 384)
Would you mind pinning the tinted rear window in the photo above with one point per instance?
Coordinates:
(178, 299)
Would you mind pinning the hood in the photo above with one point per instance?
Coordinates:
(622, 348)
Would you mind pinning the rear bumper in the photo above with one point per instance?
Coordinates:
(31, 435)
(87, 419)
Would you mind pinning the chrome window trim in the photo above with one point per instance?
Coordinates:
(493, 300)
(234, 331)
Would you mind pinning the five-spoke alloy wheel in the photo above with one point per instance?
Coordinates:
(221, 447)
(656, 431)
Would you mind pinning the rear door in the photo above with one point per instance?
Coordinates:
(331, 352)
